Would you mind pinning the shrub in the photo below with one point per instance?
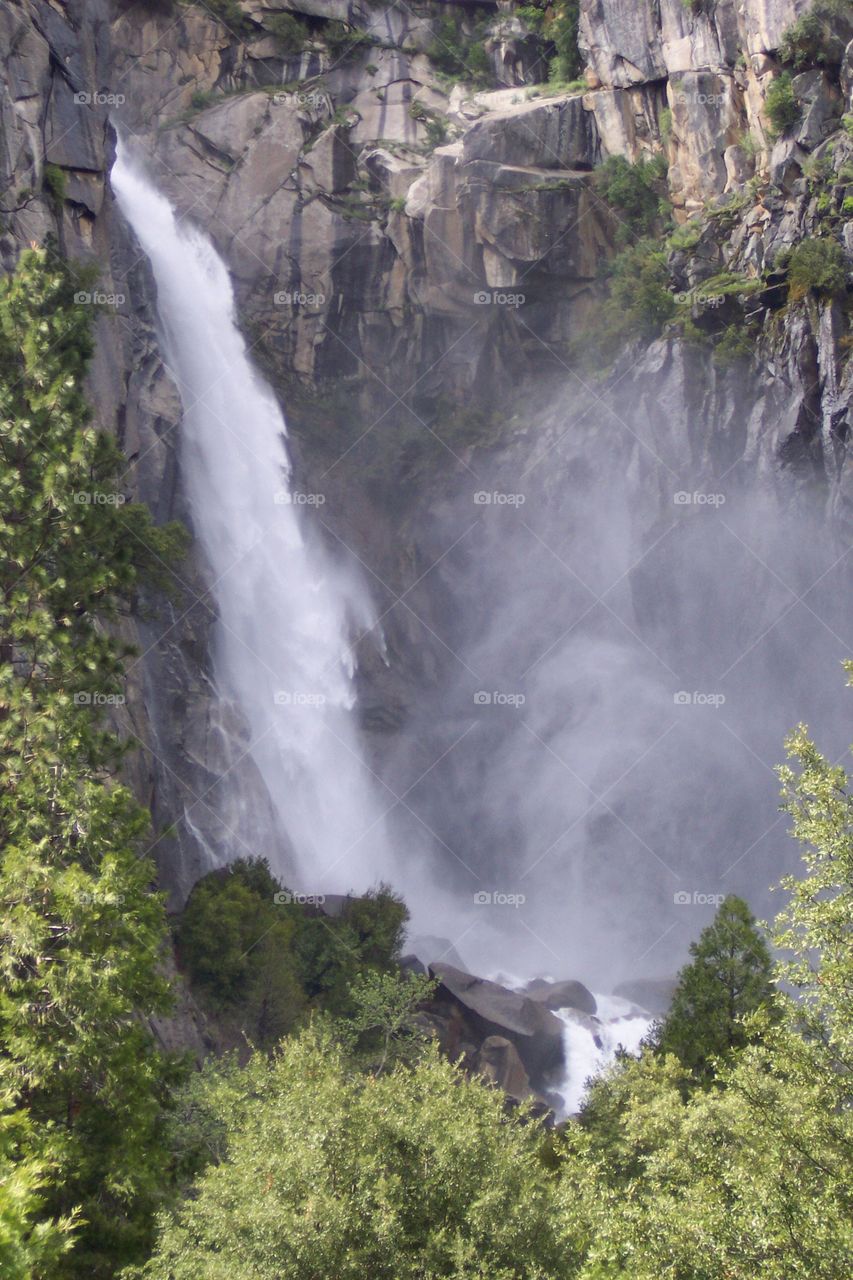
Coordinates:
(53, 181)
(630, 190)
(459, 55)
(291, 34)
(562, 30)
(815, 39)
(258, 960)
(817, 266)
(782, 107)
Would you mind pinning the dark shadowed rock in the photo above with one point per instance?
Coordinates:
(492, 1010)
(652, 994)
(499, 1061)
(562, 995)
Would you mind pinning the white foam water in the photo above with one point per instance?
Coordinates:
(286, 612)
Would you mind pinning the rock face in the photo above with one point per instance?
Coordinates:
(562, 995)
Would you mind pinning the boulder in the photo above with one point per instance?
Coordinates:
(654, 995)
(492, 1010)
(498, 1061)
(562, 995)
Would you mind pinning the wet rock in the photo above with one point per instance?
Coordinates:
(492, 1010)
(562, 995)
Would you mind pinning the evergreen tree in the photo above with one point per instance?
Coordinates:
(729, 977)
(81, 932)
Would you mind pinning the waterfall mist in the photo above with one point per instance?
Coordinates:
(632, 641)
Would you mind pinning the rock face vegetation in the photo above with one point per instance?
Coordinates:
(431, 213)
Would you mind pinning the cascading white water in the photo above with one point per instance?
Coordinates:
(590, 1045)
(286, 613)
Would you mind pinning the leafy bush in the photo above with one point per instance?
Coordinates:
(818, 38)
(735, 344)
(817, 266)
(291, 33)
(232, 16)
(630, 189)
(54, 183)
(414, 1173)
(562, 29)
(259, 960)
(460, 55)
(640, 301)
(782, 107)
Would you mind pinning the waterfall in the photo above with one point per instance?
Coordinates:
(286, 613)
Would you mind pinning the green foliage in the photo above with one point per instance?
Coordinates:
(411, 1174)
(27, 1246)
(258, 959)
(381, 1027)
(54, 182)
(459, 52)
(640, 300)
(781, 106)
(729, 978)
(817, 39)
(233, 16)
(735, 344)
(817, 265)
(80, 930)
(435, 124)
(291, 33)
(562, 29)
(343, 39)
(634, 191)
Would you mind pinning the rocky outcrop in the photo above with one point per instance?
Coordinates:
(490, 1010)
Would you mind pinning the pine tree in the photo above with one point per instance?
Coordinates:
(81, 933)
(729, 977)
